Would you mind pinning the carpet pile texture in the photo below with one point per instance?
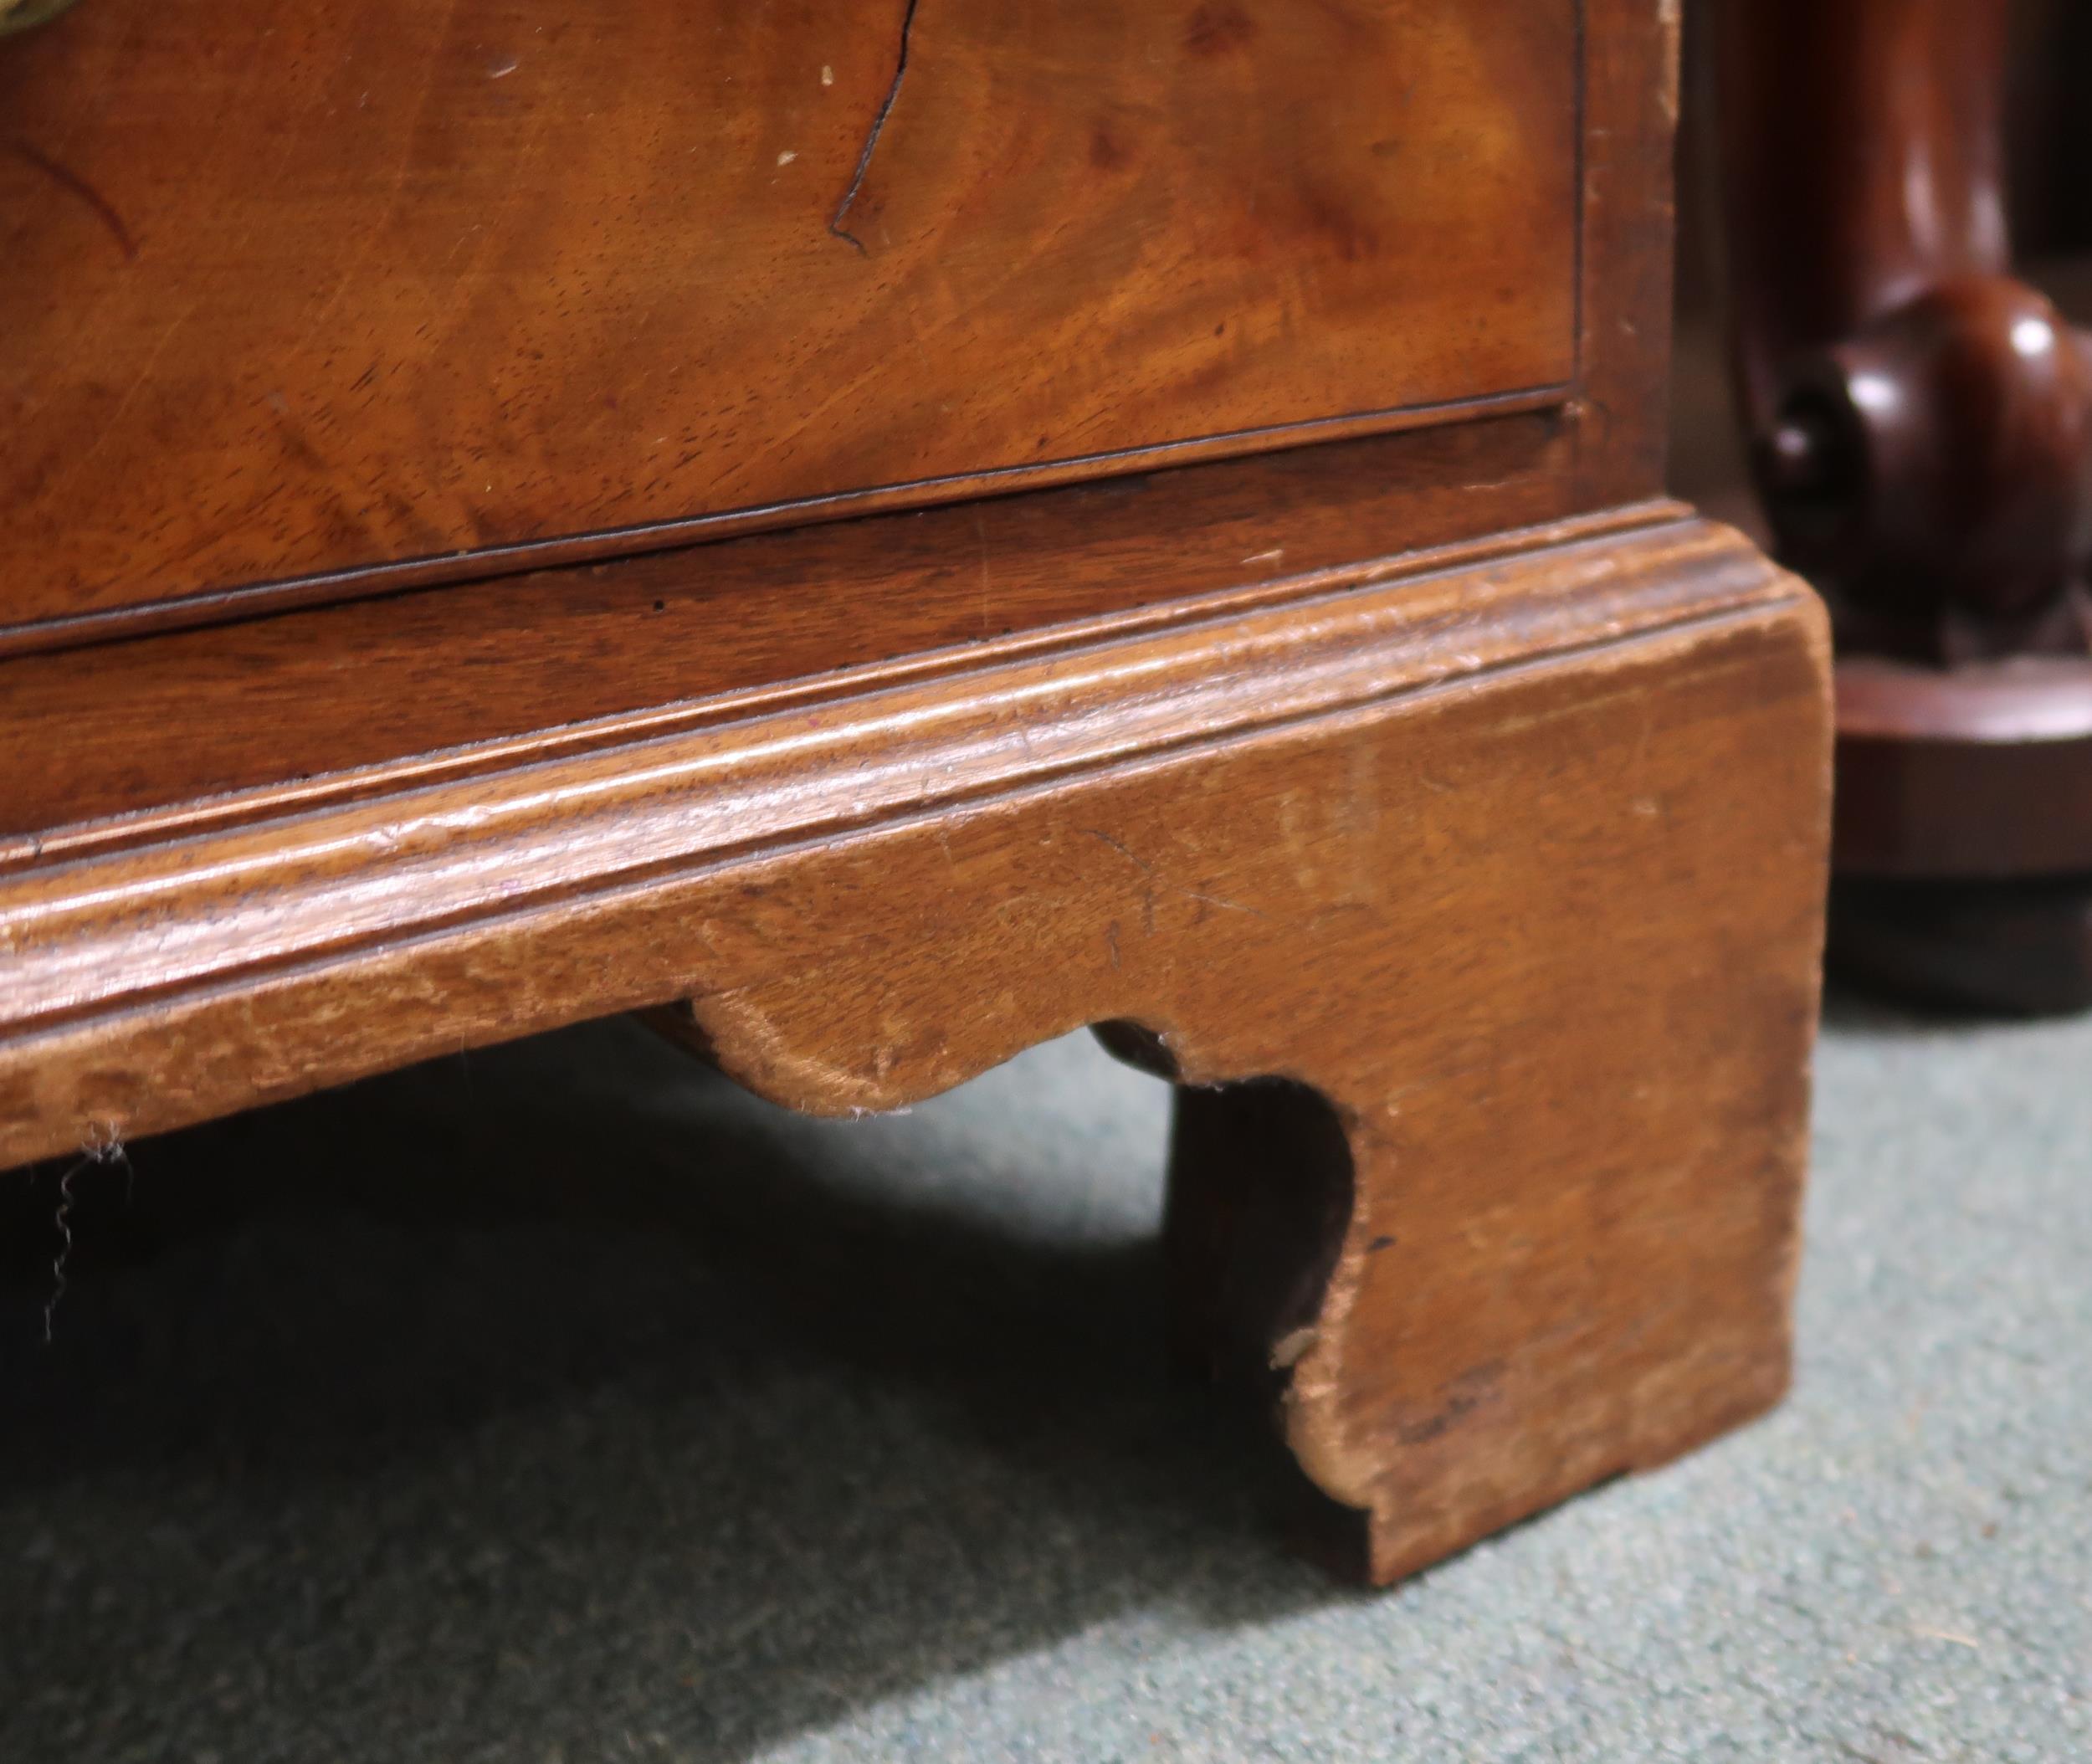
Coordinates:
(562, 1402)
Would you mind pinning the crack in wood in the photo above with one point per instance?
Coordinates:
(871, 139)
(71, 181)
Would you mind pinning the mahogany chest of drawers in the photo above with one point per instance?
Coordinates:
(880, 533)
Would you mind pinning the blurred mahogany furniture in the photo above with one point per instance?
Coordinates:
(1921, 427)
(883, 533)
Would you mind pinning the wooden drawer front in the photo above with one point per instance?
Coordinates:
(303, 286)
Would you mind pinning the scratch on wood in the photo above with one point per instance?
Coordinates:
(1147, 869)
(67, 179)
(1463, 1396)
(871, 139)
(1120, 847)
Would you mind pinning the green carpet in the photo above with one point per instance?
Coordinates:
(562, 1402)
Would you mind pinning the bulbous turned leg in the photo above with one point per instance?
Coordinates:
(1920, 423)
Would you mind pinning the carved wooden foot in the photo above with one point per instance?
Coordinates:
(1478, 911)
(1486, 963)
(1524, 1213)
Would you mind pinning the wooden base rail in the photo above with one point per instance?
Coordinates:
(1508, 871)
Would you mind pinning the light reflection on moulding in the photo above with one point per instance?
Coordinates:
(2034, 337)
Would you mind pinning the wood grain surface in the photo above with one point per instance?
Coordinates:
(325, 700)
(1517, 871)
(288, 290)
(1445, 815)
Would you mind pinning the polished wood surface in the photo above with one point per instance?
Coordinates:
(1920, 412)
(259, 893)
(290, 291)
(1442, 812)
(1887, 176)
(1517, 870)
(324, 701)
(1922, 418)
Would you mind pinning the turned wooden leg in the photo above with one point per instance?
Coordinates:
(1921, 427)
